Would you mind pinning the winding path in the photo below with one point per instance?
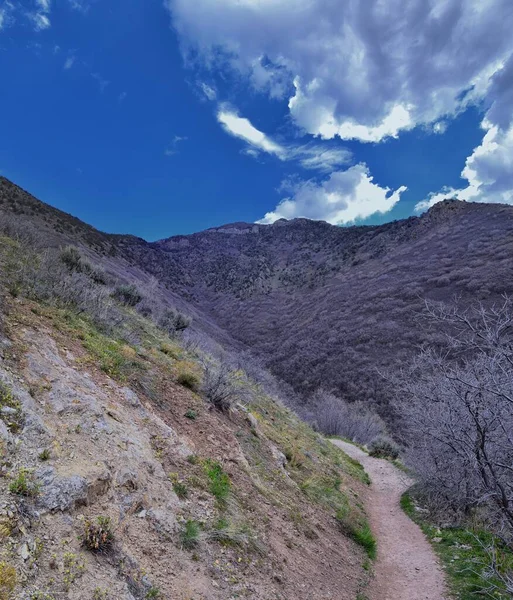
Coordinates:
(406, 567)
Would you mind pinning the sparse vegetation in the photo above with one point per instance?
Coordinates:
(97, 535)
(44, 455)
(127, 294)
(191, 414)
(477, 564)
(219, 384)
(24, 484)
(188, 379)
(181, 490)
(189, 536)
(10, 408)
(73, 568)
(220, 484)
(8, 581)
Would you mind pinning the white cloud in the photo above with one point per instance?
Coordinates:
(358, 70)
(243, 129)
(343, 198)
(122, 97)
(69, 62)
(103, 83)
(172, 149)
(40, 21)
(44, 5)
(80, 5)
(208, 91)
(488, 170)
(310, 156)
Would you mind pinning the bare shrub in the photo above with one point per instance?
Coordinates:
(173, 322)
(334, 416)
(220, 384)
(384, 447)
(457, 407)
(128, 294)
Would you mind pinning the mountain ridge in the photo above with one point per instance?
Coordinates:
(321, 305)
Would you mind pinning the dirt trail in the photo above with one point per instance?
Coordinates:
(406, 567)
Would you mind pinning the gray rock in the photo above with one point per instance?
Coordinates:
(61, 493)
(127, 478)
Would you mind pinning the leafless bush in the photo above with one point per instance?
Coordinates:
(221, 385)
(457, 405)
(173, 322)
(334, 416)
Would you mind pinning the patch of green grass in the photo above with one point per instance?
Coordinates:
(356, 527)
(462, 553)
(220, 484)
(362, 535)
(8, 580)
(153, 593)
(189, 536)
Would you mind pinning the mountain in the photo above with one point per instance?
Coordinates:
(323, 306)
(328, 306)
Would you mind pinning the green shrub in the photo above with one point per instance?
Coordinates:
(189, 536)
(98, 536)
(191, 414)
(24, 484)
(180, 490)
(219, 481)
(383, 447)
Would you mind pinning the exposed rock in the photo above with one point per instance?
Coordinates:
(61, 493)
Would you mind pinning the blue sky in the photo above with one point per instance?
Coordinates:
(157, 118)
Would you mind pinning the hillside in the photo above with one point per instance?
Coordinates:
(328, 306)
(135, 466)
(323, 306)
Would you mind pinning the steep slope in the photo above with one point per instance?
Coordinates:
(120, 480)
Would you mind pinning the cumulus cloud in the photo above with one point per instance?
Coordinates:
(358, 70)
(342, 198)
(488, 170)
(310, 156)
